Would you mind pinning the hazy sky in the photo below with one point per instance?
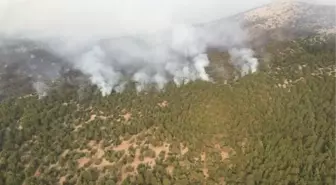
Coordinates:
(196, 9)
(113, 16)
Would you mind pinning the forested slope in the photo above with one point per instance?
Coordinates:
(275, 126)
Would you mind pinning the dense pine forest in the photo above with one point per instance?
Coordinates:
(275, 126)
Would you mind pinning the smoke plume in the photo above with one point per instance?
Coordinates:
(114, 43)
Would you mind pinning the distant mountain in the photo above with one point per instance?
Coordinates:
(280, 20)
(286, 20)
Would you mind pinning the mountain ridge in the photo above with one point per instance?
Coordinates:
(291, 15)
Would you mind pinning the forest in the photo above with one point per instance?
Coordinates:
(275, 126)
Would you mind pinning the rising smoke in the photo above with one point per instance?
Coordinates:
(116, 46)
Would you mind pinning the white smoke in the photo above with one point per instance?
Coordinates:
(147, 47)
(41, 89)
(244, 60)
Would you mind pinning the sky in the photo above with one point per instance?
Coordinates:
(197, 9)
(114, 17)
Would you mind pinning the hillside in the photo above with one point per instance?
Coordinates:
(274, 126)
(288, 19)
(292, 14)
(27, 65)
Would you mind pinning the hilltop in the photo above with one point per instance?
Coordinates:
(286, 20)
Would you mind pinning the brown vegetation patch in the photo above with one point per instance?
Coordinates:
(170, 170)
(92, 117)
(184, 149)
(127, 116)
(91, 143)
(78, 127)
(37, 173)
(224, 155)
(65, 152)
(163, 104)
(82, 161)
(100, 153)
(98, 161)
(159, 149)
(224, 151)
(205, 170)
(203, 156)
(102, 164)
(150, 161)
(123, 146)
(62, 180)
(103, 117)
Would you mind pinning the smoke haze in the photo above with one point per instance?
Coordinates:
(115, 42)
